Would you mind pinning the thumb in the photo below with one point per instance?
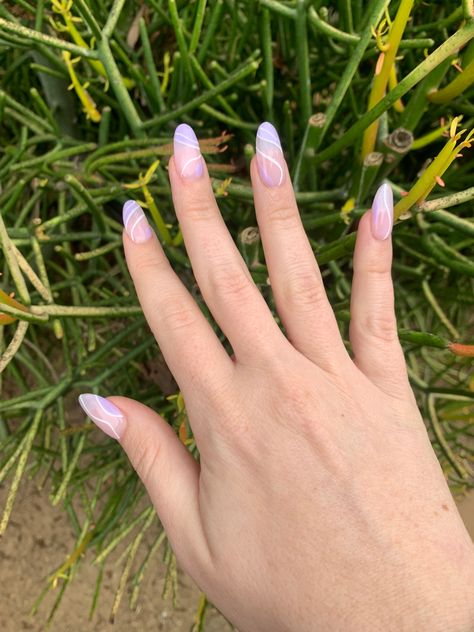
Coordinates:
(168, 471)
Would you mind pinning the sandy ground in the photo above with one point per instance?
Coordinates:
(38, 540)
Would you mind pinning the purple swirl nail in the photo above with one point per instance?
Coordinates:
(270, 159)
(187, 155)
(135, 222)
(104, 414)
(382, 212)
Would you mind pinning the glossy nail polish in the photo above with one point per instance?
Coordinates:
(270, 159)
(382, 212)
(104, 414)
(187, 155)
(135, 222)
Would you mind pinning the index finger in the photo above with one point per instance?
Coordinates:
(189, 345)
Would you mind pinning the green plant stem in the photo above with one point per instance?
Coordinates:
(303, 60)
(183, 47)
(468, 9)
(9, 254)
(30, 35)
(441, 438)
(198, 22)
(30, 437)
(114, 15)
(452, 44)
(150, 64)
(213, 24)
(438, 309)
(455, 88)
(348, 74)
(116, 81)
(453, 199)
(380, 80)
(234, 78)
(88, 18)
(15, 343)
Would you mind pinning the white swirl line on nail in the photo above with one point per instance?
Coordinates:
(189, 142)
(137, 221)
(104, 421)
(386, 204)
(259, 151)
(107, 412)
(187, 163)
(272, 142)
(127, 221)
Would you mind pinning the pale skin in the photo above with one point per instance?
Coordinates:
(318, 503)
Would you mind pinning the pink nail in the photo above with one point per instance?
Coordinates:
(382, 212)
(135, 222)
(187, 154)
(104, 414)
(270, 159)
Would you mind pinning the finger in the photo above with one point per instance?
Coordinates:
(221, 273)
(373, 327)
(189, 345)
(295, 278)
(167, 469)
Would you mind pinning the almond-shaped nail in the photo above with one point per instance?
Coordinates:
(187, 155)
(104, 414)
(270, 159)
(382, 212)
(135, 222)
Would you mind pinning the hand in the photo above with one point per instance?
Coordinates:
(318, 502)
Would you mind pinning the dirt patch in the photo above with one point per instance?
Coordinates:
(39, 539)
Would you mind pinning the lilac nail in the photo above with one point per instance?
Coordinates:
(187, 154)
(135, 222)
(104, 414)
(270, 160)
(382, 212)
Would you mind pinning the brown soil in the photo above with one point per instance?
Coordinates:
(38, 540)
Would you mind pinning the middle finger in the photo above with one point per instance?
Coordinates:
(220, 271)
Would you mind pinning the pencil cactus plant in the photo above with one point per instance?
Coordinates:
(91, 91)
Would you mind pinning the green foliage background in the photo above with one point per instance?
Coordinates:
(223, 66)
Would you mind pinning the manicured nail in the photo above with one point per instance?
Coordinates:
(103, 413)
(270, 159)
(135, 222)
(187, 154)
(382, 212)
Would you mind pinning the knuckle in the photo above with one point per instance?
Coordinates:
(176, 316)
(145, 458)
(143, 266)
(378, 268)
(305, 289)
(230, 281)
(280, 209)
(199, 210)
(381, 326)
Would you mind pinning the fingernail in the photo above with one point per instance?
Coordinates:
(135, 222)
(104, 414)
(270, 159)
(187, 154)
(382, 212)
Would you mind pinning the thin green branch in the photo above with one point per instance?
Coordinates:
(450, 46)
(30, 35)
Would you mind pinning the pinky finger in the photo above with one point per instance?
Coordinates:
(373, 328)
